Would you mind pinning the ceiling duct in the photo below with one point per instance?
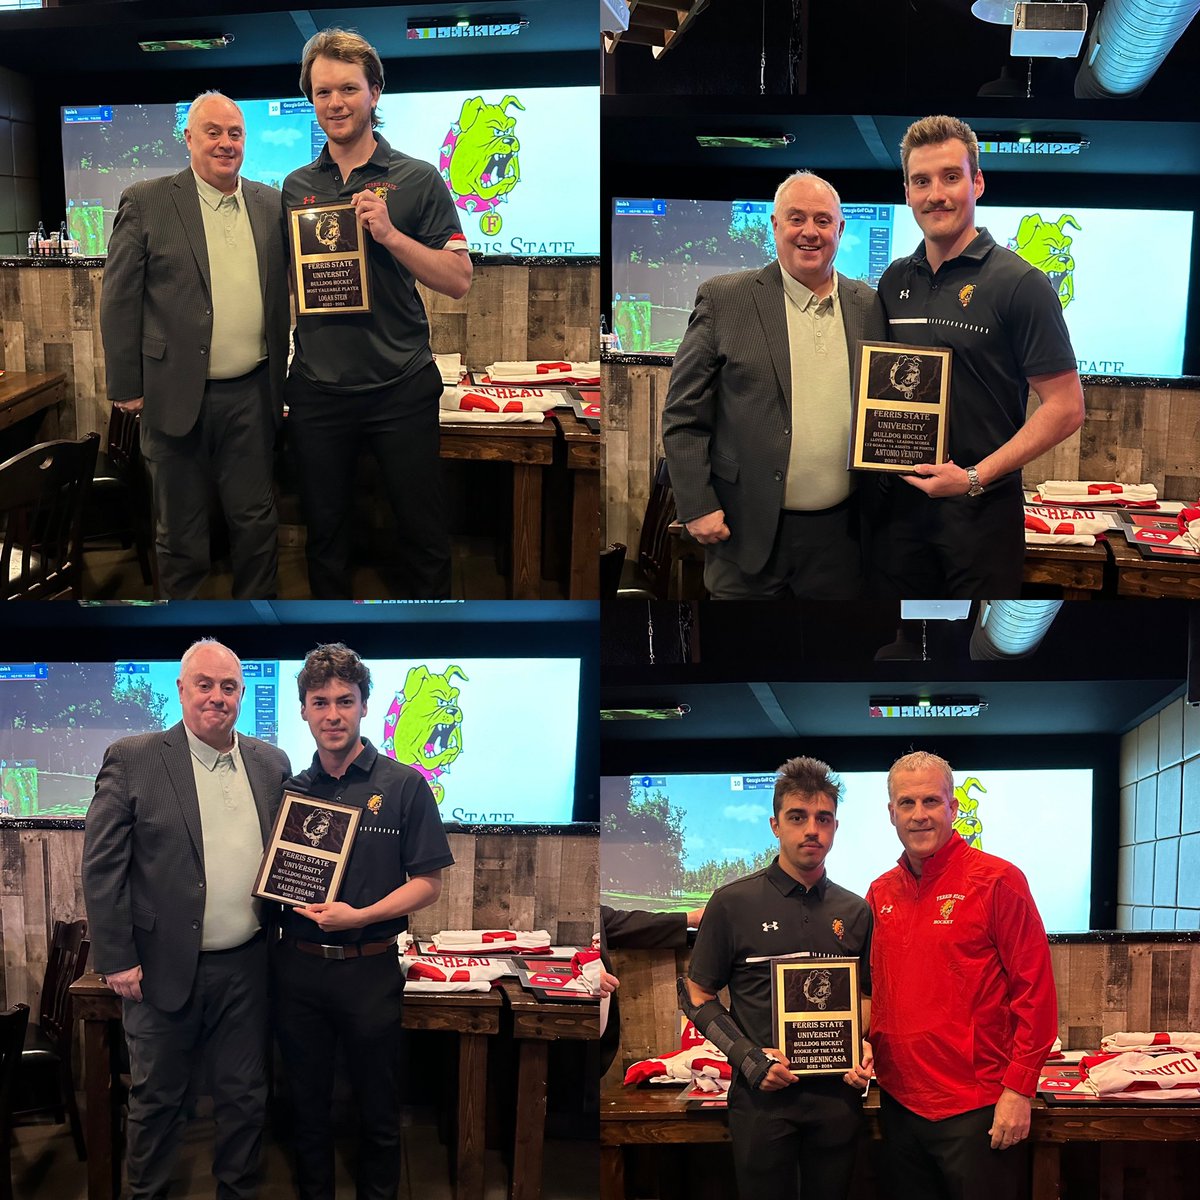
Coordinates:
(1006, 629)
(1129, 40)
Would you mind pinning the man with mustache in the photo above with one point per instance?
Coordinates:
(757, 421)
(964, 1008)
(194, 317)
(791, 1136)
(955, 529)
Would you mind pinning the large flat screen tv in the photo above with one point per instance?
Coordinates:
(522, 164)
(495, 737)
(663, 249)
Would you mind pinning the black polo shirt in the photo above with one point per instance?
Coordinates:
(400, 834)
(768, 914)
(362, 351)
(1003, 320)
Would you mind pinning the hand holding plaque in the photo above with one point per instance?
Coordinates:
(306, 856)
(329, 258)
(816, 1014)
(901, 407)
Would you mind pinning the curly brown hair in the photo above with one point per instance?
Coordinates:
(346, 46)
(333, 660)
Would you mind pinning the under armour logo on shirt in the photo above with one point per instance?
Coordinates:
(769, 925)
(886, 908)
(904, 294)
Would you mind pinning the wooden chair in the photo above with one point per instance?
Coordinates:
(12, 1034)
(612, 561)
(45, 1078)
(120, 506)
(43, 493)
(648, 577)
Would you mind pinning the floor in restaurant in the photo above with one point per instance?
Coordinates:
(44, 1167)
(114, 574)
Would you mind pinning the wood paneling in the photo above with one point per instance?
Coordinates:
(49, 320)
(547, 881)
(1129, 435)
(1102, 988)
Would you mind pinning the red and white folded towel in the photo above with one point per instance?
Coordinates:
(1097, 491)
(497, 941)
(1041, 530)
(1150, 1043)
(1165, 1078)
(1189, 526)
(504, 398)
(697, 1062)
(423, 975)
(543, 372)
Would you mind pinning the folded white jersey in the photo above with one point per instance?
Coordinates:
(544, 372)
(505, 398)
(1150, 1042)
(433, 987)
(422, 968)
(449, 367)
(1170, 1076)
(1096, 491)
(507, 941)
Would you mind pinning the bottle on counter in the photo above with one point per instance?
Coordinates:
(42, 243)
(62, 238)
(33, 241)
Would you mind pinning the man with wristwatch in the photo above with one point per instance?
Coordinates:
(954, 529)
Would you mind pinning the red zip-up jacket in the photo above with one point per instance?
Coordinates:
(963, 1002)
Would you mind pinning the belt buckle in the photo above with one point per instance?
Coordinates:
(334, 952)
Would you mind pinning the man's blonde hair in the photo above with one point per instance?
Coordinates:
(346, 46)
(920, 760)
(932, 131)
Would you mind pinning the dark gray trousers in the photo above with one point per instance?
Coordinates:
(228, 451)
(223, 1025)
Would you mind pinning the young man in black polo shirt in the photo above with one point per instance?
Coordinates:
(955, 529)
(337, 977)
(788, 1133)
(370, 377)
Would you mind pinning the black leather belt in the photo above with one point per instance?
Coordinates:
(353, 950)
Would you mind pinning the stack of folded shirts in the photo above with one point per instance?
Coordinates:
(1095, 492)
(1189, 526)
(450, 367)
(427, 975)
(498, 941)
(1164, 1078)
(576, 373)
(1150, 1043)
(1041, 530)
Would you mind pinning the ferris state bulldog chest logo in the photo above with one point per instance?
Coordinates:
(423, 726)
(480, 161)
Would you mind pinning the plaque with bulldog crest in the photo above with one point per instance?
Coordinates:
(816, 1013)
(329, 260)
(306, 856)
(901, 406)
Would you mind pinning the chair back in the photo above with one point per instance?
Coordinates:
(43, 492)
(67, 961)
(612, 559)
(12, 1037)
(654, 546)
(124, 439)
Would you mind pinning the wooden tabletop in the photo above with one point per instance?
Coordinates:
(1157, 577)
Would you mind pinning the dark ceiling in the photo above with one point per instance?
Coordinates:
(104, 36)
(779, 671)
(866, 71)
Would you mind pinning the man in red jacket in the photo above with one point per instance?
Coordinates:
(963, 1005)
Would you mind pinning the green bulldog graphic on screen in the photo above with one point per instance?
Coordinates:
(423, 726)
(967, 822)
(1048, 247)
(479, 158)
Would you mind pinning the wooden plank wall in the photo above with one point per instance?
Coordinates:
(509, 880)
(1102, 988)
(1130, 435)
(49, 321)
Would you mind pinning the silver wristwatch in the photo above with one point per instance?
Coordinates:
(976, 488)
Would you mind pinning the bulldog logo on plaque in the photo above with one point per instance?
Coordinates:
(306, 856)
(901, 405)
(815, 1013)
(329, 258)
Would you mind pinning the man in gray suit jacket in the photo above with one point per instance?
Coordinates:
(756, 426)
(194, 315)
(175, 835)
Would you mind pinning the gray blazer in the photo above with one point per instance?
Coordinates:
(727, 422)
(156, 302)
(143, 856)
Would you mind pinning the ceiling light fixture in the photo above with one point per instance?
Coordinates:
(201, 43)
(756, 141)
